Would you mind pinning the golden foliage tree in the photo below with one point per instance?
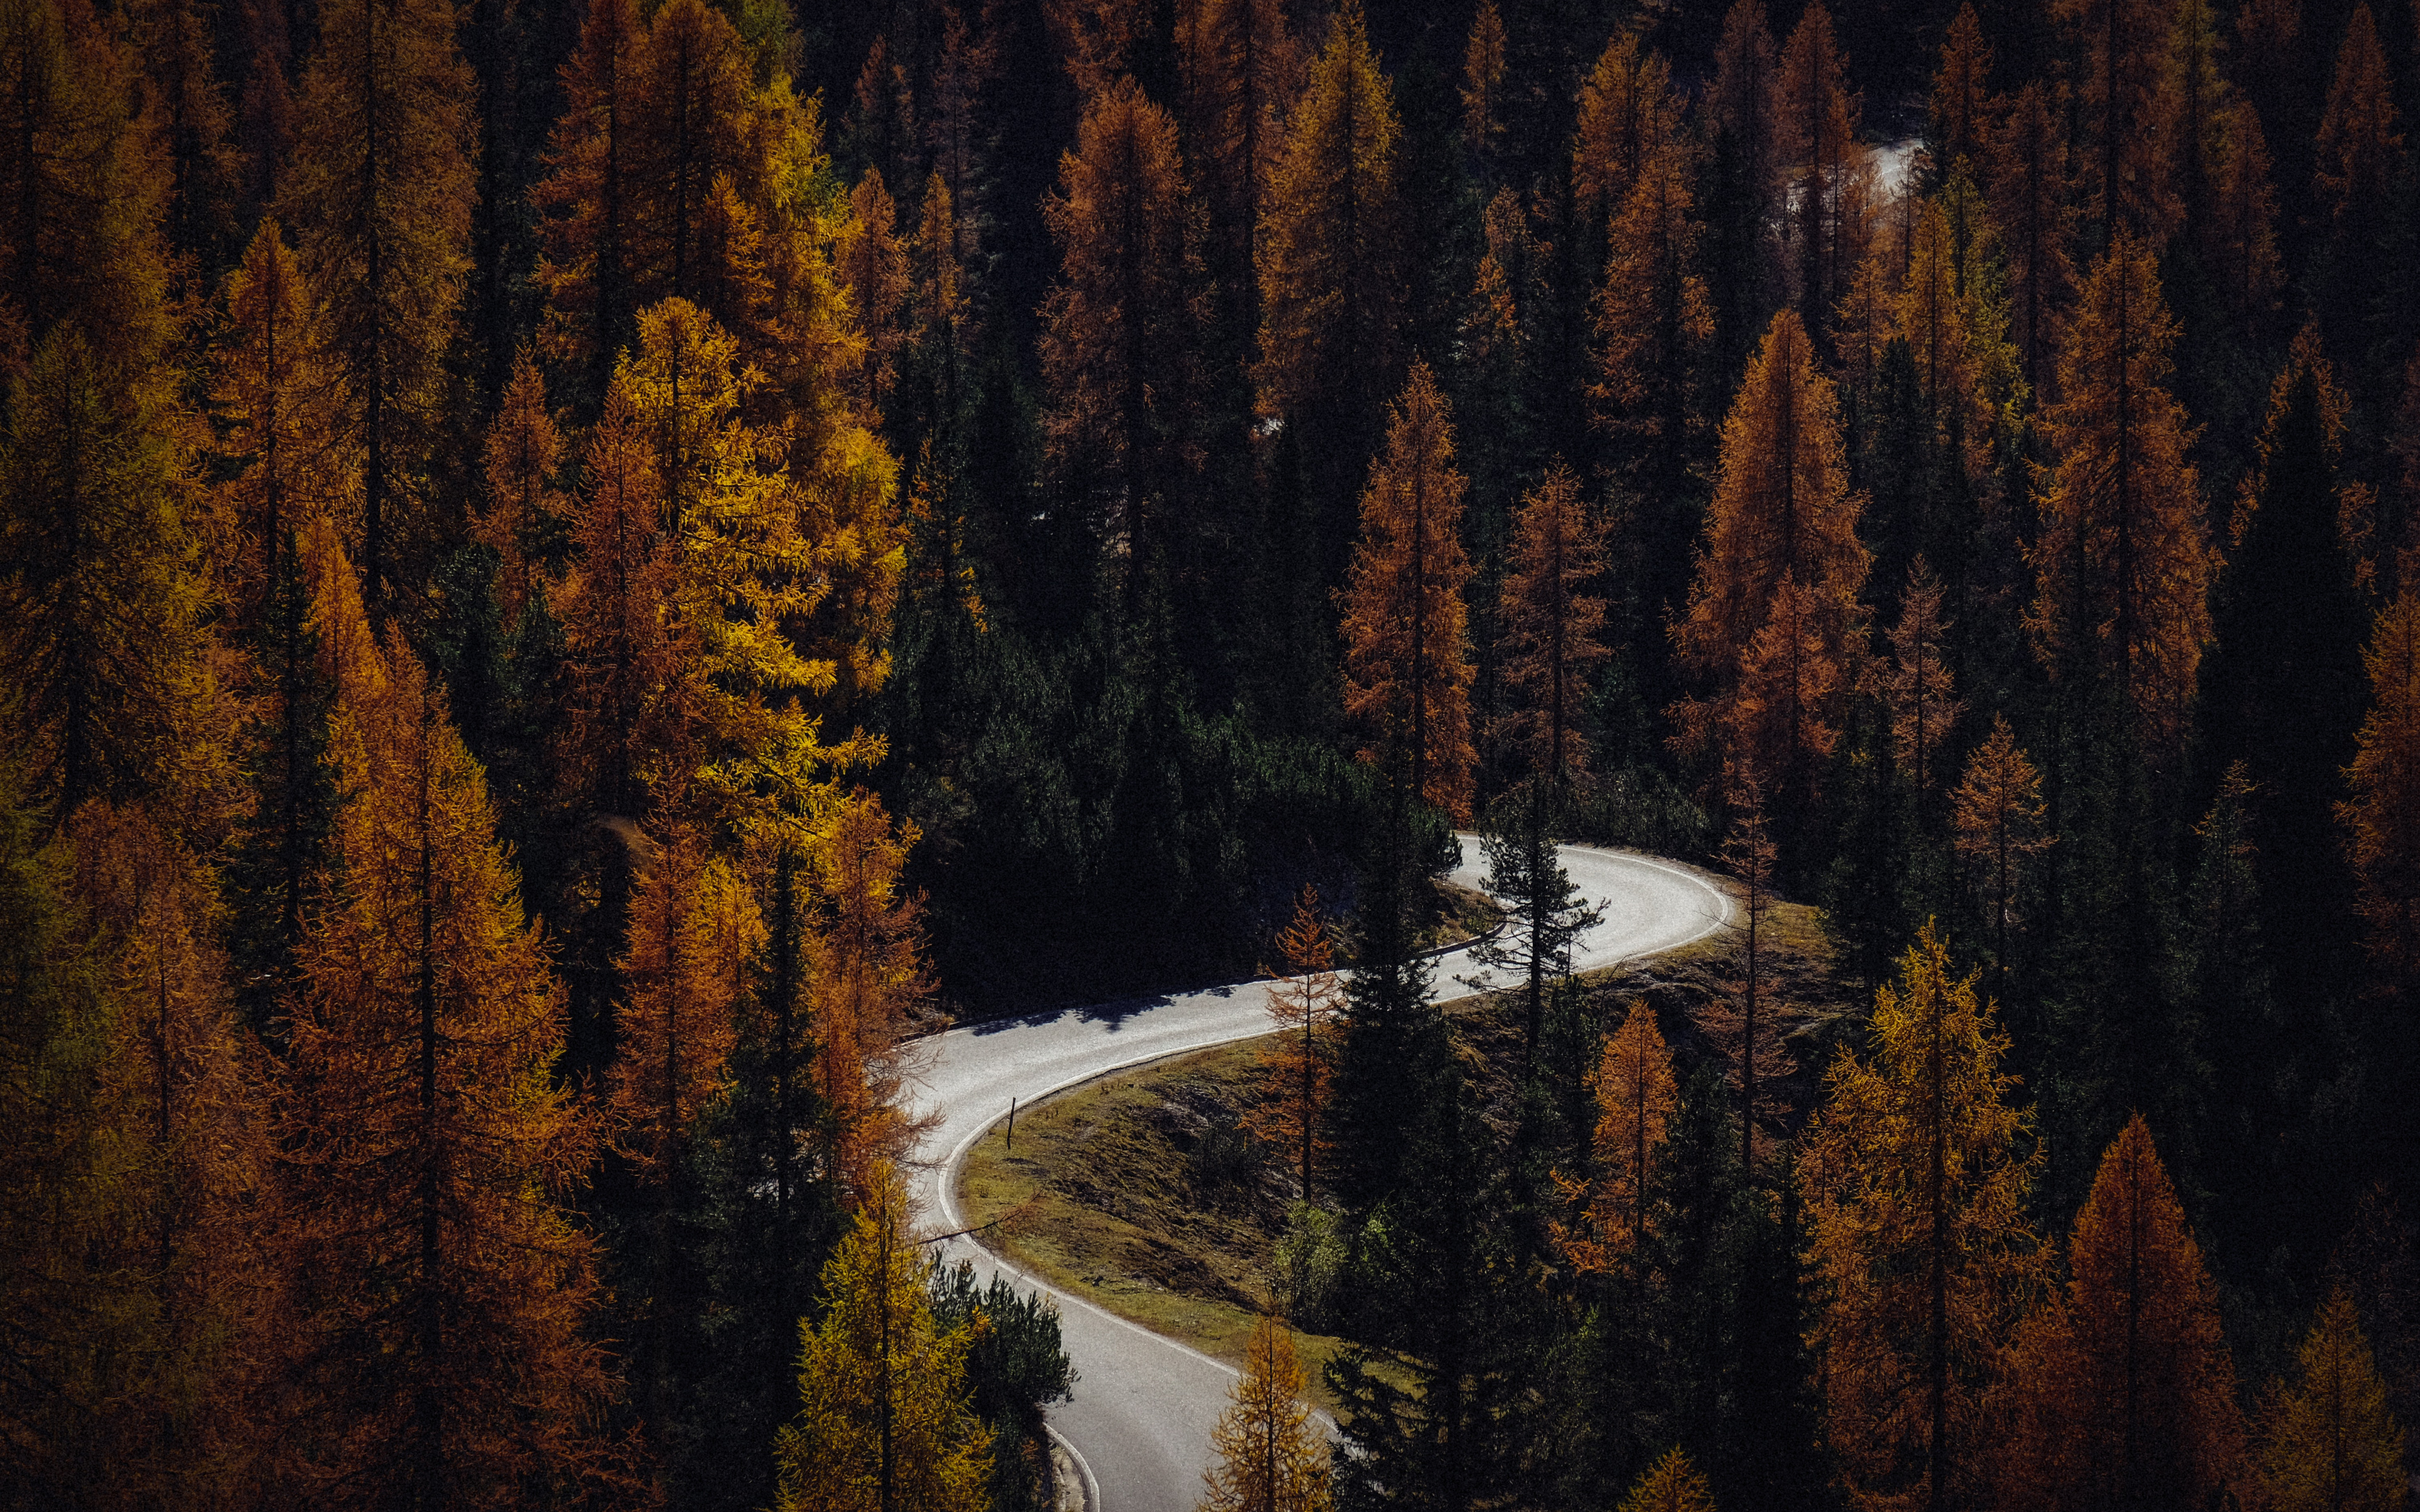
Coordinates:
(1996, 820)
(1406, 662)
(1242, 70)
(1482, 80)
(2123, 1392)
(1115, 324)
(868, 976)
(1651, 318)
(101, 597)
(2359, 147)
(1271, 1459)
(1782, 512)
(1924, 706)
(2127, 106)
(2382, 818)
(588, 193)
(1300, 1060)
(378, 194)
(2123, 557)
(1331, 290)
(446, 1286)
(872, 261)
(1628, 119)
(1553, 624)
(1961, 106)
(524, 450)
(1818, 133)
(1636, 1100)
(1673, 1484)
(1916, 1184)
(2330, 1443)
(2240, 232)
(883, 1425)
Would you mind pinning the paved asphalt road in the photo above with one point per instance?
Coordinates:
(1143, 1405)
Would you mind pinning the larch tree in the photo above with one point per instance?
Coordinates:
(1269, 1456)
(1997, 824)
(1242, 70)
(1818, 133)
(1636, 1098)
(1406, 662)
(1553, 624)
(1916, 1174)
(693, 126)
(2359, 147)
(2330, 1443)
(1961, 110)
(187, 1090)
(1782, 512)
(1116, 323)
(1652, 321)
(883, 1425)
(1331, 289)
(100, 596)
(1628, 119)
(873, 263)
(2382, 817)
(2123, 1393)
(1484, 70)
(1753, 1059)
(588, 194)
(2240, 232)
(379, 194)
(84, 185)
(2123, 557)
(1917, 686)
(868, 976)
(183, 93)
(2031, 188)
(446, 1288)
(524, 509)
(1297, 1067)
(1673, 1484)
(1934, 314)
(2126, 108)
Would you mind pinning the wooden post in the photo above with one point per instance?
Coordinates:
(1012, 1123)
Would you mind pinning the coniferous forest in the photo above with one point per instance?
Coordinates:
(576, 574)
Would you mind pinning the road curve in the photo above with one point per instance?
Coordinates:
(1144, 1405)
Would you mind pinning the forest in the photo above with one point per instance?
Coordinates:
(575, 575)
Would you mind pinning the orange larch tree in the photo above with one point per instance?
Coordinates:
(1997, 816)
(2124, 1390)
(524, 451)
(445, 1283)
(1116, 325)
(1300, 1060)
(1482, 82)
(1242, 70)
(1628, 119)
(1915, 1193)
(2359, 147)
(2126, 105)
(1961, 107)
(1406, 662)
(1924, 706)
(1781, 511)
(1650, 322)
(2239, 230)
(2382, 818)
(379, 195)
(2331, 1443)
(868, 976)
(873, 263)
(1636, 1100)
(1737, 1023)
(1553, 624)
(588, 193)
(2123, 557)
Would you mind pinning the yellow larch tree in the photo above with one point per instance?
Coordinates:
(1297, 1067)
(448, 1289)
(1407, 669)
(1961, 107)
(2123, 1392)
(1916, 1170)
(1635, 1100)
(2123, 557)
(1628, 119)
(1673, 1484)
(1482, 82)
(872, 263)
(2330, 1443)
(1650, 319)
(2382, 818)
(524, 450)
(1242, 70)
(2031, 185)
(1996, 822)
(883, 1424)
(2126, 106)
(1924, 706)
(1331, 287)
(2240, 232)
(1269, 1456)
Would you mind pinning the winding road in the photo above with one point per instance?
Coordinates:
(1141, 1419)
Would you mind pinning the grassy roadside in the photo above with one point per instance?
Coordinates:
(1140, 1193)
